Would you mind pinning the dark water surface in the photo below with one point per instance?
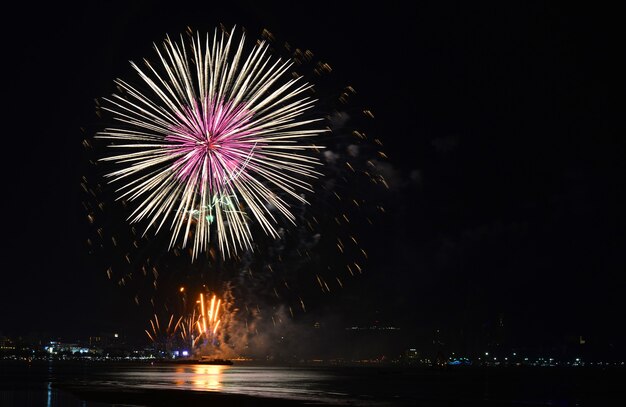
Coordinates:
(68, 384)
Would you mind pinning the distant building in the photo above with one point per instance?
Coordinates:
(411, 356)
(61, 348)
(6, 344)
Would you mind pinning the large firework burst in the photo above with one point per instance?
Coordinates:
(215, 140)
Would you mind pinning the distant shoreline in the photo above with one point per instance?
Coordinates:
(321, 364)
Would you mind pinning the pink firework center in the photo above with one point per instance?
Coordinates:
(213, 145)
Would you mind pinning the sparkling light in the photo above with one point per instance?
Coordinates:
(213, 139)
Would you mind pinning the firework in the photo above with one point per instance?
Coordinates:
(187, 329)
(163, 337)
(216, 136)
(208, 321)
(197, 329)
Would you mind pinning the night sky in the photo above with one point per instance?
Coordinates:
(503, 126)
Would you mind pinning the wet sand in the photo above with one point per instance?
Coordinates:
(172, 398)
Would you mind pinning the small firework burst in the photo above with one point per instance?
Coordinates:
(163, 337)
(209, 319)
(214, 139)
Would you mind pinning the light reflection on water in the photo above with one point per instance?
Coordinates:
(266, 381)
(205, 377)
(50, 384)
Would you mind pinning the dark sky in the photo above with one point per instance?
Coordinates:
(509, 117)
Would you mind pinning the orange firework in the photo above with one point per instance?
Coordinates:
(198, 328)
(208, 321)
(163, 336)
